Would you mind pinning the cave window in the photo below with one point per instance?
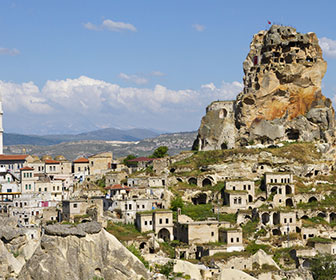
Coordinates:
(222, 113)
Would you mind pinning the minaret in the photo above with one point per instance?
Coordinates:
(1, 129)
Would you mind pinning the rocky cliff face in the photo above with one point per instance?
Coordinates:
(78, 252)
(282, 98)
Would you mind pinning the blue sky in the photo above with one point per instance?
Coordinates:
(72, 66)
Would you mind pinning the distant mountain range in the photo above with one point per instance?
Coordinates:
(107, 134)
(176, 142)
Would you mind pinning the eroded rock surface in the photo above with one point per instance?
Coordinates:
(82, 257)
(281, 99)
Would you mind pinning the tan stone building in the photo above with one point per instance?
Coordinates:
(159, 221)
(27, 180)
(100, 162)
(80, 207)
(233, 238)
(81, 168)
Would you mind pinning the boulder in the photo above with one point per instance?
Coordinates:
(234, 274)
(98, 255)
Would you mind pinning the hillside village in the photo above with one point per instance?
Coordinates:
(254, 199)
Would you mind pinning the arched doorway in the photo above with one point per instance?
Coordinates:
(164, 234)
(192, 181)
(312, 199)
(332, 217)
(288, 189)
(265, 217)
(289, 202)
(200, 198)
(206, 182)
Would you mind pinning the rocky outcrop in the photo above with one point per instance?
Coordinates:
(65, 251)
(83, 252)
(282, 98)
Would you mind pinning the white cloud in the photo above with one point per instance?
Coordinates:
(86, 103)
(6, 51)
(133, 78)
(328, 46)
(157, 74)
(27, 96)
(107, 24)
(198, 27)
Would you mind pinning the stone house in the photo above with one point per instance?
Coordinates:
(81, 168)
(280, 188)
(76, 208)
(160, 221)
(28, 179)
(115, 178)
(242, 185)
(236, 199)
(52, 166)
(326, 247)
(233, 238)
(129, 207)
(197, 232)
(100, 162)
(14, 162)
(117, 192)
(309, 232)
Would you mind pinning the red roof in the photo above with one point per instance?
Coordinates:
(117, 187)
(142, 159)
(26, 168)
(13, 157)
(81, 160)
(51, 161)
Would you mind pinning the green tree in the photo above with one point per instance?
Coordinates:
(160, 152)
(176, 203)
(127, 161)
(323, 267)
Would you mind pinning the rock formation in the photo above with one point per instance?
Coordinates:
(281, 99)
(85, 251)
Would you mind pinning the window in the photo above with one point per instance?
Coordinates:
(50, 168)
(91, 163)
(58, 188)
(233, 188)
(167, 221)
(237, 239)
(150, 222)
(212, 233)
(249, 187)
(54, 168)
(40, 189)
(290, 220)
(78, 168)
(138, 206)
(239, 200)
(244, 187)
(271, 180)
(45, 189)
(143, 206)
(53, 188)
(125, 206)
(232, 240)
(285, 220)
(280, 191)
(145, 223)
(130, 206)
(160, 221)
(26, 187)
(275, 180)
(75, 205)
